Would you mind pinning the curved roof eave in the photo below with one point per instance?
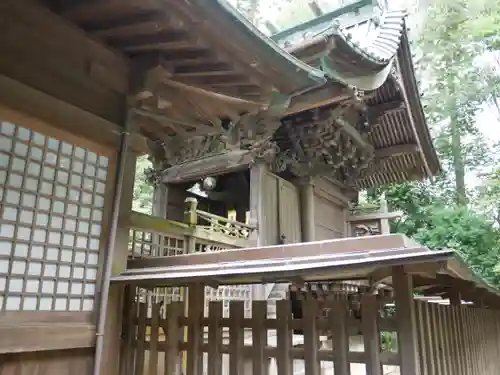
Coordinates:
(300, 75)
(370, 61)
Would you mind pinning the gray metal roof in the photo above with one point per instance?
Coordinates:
(337, 259)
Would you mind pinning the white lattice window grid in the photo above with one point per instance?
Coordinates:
(144, 244)
(230, 293)
(51, 211)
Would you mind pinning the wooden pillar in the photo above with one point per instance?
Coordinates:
(160, 199)
(258, 238)
(405, 322)
(306, 188)
(257, 172)
(113, 328)
(371, 334)
(196, 305)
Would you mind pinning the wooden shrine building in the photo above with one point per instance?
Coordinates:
(255, 259)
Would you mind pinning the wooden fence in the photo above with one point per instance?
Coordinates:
(458, 340)
(213, 344)
(173, 340)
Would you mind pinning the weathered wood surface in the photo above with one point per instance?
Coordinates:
(457, 340)
(68, 65)
(57, 362)
(230, 337)
(472, 344)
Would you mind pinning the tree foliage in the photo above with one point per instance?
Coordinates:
(143, 191)
(458, 71)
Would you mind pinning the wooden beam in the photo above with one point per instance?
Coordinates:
(18, 100)
(327, 94)
(208, 166)
(96, 10)
(396, 150)
(144, 24)
(396, 104)
(161, 42)
(33, 337)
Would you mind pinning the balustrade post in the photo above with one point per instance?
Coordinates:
(190, 218)
(190, 215)
(385, 227)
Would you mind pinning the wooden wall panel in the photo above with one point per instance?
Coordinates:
(330, 211)
(176, 195)
(47, 53)
(289, 212)
(270, 207)
(61, 362)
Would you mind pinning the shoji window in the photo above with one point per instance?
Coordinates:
(51, 211)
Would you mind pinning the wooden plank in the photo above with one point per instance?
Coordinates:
(34, 337)
(461, 339)
(483, 339)
(497, 337)
(469, 342)
(153, 339)
(386, 358)
(29, 107)
(236, 337)
(445, 353)
(284, 338)
(130, 329)
(436, 338)
(477, 362)
(59, 362)
(214, 364)
(173, 335)
(340, 337)
(260, 362)
(59, 32)
(406, 322)
(311, 337)
(141, 338)
(371, 334)
(459, 345)
(423, 342)
(196, 303)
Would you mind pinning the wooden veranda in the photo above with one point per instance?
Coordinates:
(351, 308)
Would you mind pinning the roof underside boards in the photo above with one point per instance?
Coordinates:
(363, 258)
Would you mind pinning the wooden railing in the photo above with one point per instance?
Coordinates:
(200, 232)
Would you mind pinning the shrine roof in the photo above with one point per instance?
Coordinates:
(203, 63)
(370, 259)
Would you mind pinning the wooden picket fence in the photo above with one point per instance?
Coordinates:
(458, 340)
(196, 343)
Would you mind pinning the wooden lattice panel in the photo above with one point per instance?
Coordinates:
(225, 294)
(51, 212)
(148, 244)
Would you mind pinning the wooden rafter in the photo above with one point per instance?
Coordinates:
(396, 150)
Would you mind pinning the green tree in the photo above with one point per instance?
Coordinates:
(466, 232)
(143, 191)
(455, 90)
